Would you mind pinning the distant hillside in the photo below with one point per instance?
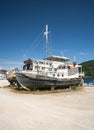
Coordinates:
(88, 68)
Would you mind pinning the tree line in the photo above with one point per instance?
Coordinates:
(88, 68)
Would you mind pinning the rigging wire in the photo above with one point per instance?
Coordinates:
(34, 44)
(27, 53)
(40, 41)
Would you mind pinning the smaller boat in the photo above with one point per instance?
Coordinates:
(91, 84)
(11, 77)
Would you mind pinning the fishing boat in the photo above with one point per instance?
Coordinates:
(11, 77)
(51, 72)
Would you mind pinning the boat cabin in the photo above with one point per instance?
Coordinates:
(54, 66)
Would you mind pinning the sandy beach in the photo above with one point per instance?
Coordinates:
(4, 83)
(72, 110)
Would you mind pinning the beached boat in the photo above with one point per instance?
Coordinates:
(50, 72)
(11, 77)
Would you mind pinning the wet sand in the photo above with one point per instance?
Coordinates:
(72, 110)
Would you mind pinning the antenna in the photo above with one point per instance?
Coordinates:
(46, 36)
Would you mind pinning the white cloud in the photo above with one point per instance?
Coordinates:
(83, 53)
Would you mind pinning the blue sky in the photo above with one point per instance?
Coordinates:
(22, 23)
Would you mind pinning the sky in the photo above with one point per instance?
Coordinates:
(22, 27)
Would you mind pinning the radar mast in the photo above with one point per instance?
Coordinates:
(47, 42)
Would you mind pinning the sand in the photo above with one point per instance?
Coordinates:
(72, 110)
(4, 83)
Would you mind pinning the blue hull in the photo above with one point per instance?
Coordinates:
(45, 82)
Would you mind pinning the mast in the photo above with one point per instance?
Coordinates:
(47, 44)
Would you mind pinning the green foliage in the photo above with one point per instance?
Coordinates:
(74, 86)
(88, 68)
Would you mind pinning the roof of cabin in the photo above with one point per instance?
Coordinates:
(57, 58)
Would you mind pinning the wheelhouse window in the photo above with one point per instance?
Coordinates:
(43, 68)
(37, 67)
(50, 69)
(28, 67)
(55, 69)
(62, 67)
(31, 67)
